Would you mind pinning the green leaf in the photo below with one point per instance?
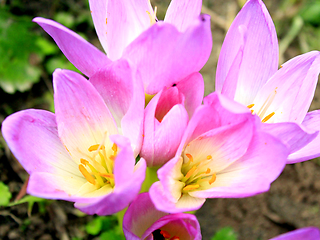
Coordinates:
(311, 12)
(5, 194)
(226, 233)
(101, 223)
(19, 53)
(31, 200)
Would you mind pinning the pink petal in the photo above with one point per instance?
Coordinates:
(292, 88)
(186, 203)
(99, 16)
(161, 139)
(293, 135)
(183, 13)
(164, 56)
(249, 53)
(80, 53)
(124, 97)
(126, 21)
(251, 174)
(82, 116)
(311, 150)
(217, 111)
(307, 233)
(192, 87)
(33, 138)
(141, 214)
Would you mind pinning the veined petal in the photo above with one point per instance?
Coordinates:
(164, 56)
(290, 91)
(217, 111)
(126, 20)
(124, 97)
(32, 136)
(295, 136)
(84, 56)
(192, 87)
(311, 150)
(258, 46)
(98, 10)
(251, 174)
(82, 116)
(140, 216)
(162, 203)
(307, 233)
(183, 13)
(224, 145)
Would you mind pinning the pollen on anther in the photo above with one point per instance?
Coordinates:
(209, 157)
(83, 161)
(250, 105)
(208, 171)
(95, 147)
(213, 179)
(114, 147)
(267, 117)
(87, 175)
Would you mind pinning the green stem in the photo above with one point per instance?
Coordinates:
(151, 177)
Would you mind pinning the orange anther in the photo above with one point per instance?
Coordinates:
(209, 157)
(87, 175)
(165, 234)
(106, 175)
(267, 117)
(95, 147)
(190, 172)
(213, 179)
(208, 171)
(190, 157)
(191, 187)
(250, 106)
(83, 161)
(114, 148)
(175, 238)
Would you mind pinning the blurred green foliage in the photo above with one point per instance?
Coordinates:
(5, 194)
(226, 233)
(107, 227)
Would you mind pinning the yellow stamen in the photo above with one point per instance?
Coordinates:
(213, 179)
(209, 157)
(114, 148)
(267, 117)
(107, 175)
(190, 187)
(250, 106)
(87, 175)
(190, 157)
(96, 147)
(190, 172)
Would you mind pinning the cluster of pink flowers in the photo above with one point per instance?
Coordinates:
(142, 110)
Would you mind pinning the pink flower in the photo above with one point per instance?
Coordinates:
(223, 153)
(166, 118)
(162, 54)
(248, 73)
(76, 154)
(143, 221)
(307, 233)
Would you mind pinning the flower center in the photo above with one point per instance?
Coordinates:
(196, 174)
(97, 166)
(264, 108)
(163, 235)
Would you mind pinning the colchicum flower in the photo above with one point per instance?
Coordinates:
(163, 53)
(76, 154)
(166, 118)
(223, 153)
(307, 233)
(248, 72)
(143, 221)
